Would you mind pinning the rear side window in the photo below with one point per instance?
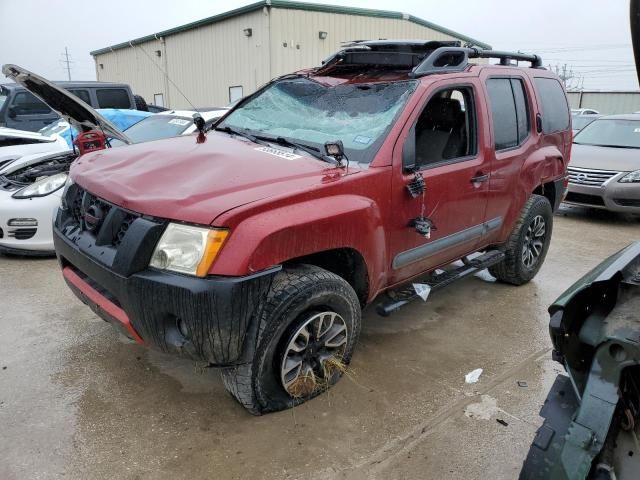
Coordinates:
(509, 111)
(81, 94)
(113, 98)
(25, 103)
(555, 110)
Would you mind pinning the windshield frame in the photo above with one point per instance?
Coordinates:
(364, 156)
(599, 121)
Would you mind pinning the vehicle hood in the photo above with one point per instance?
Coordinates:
(181, 180)
(68, 106)
(605, 158)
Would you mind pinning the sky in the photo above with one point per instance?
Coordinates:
(590, 36)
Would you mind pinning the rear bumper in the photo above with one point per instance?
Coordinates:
(210, 319)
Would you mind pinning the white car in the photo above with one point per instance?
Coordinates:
(584, 111)
(31, 186)
(15, 144)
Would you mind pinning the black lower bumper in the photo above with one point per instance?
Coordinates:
(212, 319)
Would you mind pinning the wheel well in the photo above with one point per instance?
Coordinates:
(547, 190)
(344, 262)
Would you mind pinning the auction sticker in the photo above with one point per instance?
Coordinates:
(278, 153)
(179, 121)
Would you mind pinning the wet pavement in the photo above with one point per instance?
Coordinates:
(79, 402)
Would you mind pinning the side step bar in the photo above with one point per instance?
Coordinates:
(403, 295)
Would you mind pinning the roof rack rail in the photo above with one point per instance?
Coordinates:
(456, 59)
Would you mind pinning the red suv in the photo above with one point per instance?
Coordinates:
(256, 247)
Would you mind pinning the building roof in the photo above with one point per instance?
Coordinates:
(312, 7)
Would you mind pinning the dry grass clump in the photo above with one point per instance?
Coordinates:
(303, 386)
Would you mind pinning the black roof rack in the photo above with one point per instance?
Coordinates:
(420, 57)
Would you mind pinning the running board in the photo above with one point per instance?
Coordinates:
(406, 294)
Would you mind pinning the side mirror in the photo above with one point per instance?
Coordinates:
(12, 112)
(409, 151)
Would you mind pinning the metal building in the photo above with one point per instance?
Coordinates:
(218, 59)
(606, 102)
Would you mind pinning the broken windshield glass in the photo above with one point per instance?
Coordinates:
(306, 111)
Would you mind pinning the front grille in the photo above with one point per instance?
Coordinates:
(627, 202)
(22, 233)
(589, 176)
(80, 201)
(584, 199)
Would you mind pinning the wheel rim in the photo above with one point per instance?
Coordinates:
(534, 241)
(314, 354)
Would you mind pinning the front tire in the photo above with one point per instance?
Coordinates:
(308, 329)
(527, 246)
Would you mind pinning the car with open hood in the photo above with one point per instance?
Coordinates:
(254, 246)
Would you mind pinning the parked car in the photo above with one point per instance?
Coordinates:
(22, 110)
(255, 249)
(15, 144)
(584, 111)
(578, 122)
(605, 165)
(592, 412)
(30, 186)
(170, 123)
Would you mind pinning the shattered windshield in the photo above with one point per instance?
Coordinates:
(306, 111)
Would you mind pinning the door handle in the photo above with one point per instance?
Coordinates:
(479, 178)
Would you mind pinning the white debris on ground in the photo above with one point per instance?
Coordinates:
(483, 410)
(422, 290)
(484, 275)
(473, 376)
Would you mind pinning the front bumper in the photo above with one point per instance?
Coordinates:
(30, 240)
(212, 319)
(612, 195)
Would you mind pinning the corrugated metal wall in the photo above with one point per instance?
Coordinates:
(205, 61)
(300, 31)
(606, 102)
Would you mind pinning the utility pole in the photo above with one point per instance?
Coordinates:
(67, 62)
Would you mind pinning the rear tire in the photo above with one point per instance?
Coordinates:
(527, 246)
(305, 305)
(140, 103)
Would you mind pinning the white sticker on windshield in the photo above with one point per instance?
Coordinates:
(362, 139)
(278, 153)
(179, 121)
(636, 130)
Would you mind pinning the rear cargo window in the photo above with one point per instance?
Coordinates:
(555, 110)
(25, 103)
(113, 98)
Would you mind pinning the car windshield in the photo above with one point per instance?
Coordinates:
(54, 128)
(156, 127)
(305, 111)
(578, 122)
(610, 133)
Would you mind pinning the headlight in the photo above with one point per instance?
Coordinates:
(633, 177)
(42, 187)
(187, 249)
(67, 185)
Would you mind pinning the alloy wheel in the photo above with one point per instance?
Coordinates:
(534, 241)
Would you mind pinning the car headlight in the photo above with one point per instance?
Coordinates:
(188, 249)
(42, 187)
(67, 185)
(633, 177)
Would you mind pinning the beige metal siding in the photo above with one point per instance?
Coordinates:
(300, 30)
(132, 66)
(606, 102)
(205, 61)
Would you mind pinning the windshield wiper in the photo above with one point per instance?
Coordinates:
(233, 131)
(313, 151)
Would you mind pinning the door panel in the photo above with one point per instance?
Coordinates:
(456, 192)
